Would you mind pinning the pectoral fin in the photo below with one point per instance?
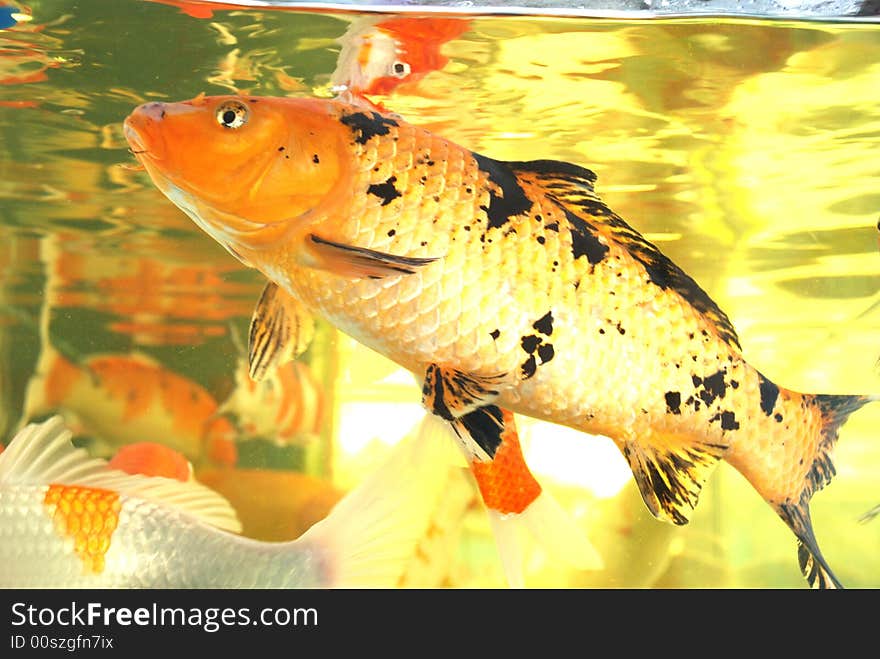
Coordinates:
(281, 330)
(358, 262)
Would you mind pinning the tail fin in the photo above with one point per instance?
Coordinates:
(834, 410)
(374, 531)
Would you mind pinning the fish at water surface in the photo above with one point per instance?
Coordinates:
(500, 285)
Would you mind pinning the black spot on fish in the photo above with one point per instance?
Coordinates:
(544, 324)
(769, 394)
(673, 402)
(391, 232)
(495, 334)
(512, 201)
(529, 367)
(728, 421)
(545, 352)
(385, 191)
(541, 240)
(620, 329)
(367, 126)
(315, 158)
(714, 387)
(553, 226)
(584, 240)
(778, 418)
(281, 148)
(530, 343)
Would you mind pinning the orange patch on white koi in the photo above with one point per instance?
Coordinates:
(87, 516)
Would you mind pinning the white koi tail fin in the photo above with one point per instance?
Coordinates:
(552, 527)
(374, 531)
(43, 454)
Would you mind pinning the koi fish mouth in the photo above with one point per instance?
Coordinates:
(136, 145)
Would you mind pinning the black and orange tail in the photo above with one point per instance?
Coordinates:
(835, 410)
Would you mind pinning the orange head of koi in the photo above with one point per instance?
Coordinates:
(246, 170)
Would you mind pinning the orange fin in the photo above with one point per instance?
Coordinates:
(571, 187)
(281, 330)
(514, 498)
(450, 393)
(670, 473)
(358, 262)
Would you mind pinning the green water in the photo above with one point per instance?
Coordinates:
(747, 150)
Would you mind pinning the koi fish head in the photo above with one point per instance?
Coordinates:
(244, 169)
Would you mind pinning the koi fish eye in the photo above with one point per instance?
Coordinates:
(232, 114)
(400, 69)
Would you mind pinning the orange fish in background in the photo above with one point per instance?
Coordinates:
(380, 54)
(122, 399)
(286, 406)
(156, 301)
(152, 459)
(500, 285)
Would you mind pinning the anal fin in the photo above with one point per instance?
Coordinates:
(281, 330)
(670, 472)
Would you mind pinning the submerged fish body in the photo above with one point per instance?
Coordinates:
(501, 285)
(124, 398)
(70, 521)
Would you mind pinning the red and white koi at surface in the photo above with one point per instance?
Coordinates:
(500, 285)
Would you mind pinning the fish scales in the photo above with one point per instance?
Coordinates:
(137, 555)
(70, 520)
(505, 284)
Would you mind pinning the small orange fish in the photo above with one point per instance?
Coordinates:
(500, 285)
(380, 55)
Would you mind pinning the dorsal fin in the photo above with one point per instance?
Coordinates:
(42, 454)
(571, 187)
